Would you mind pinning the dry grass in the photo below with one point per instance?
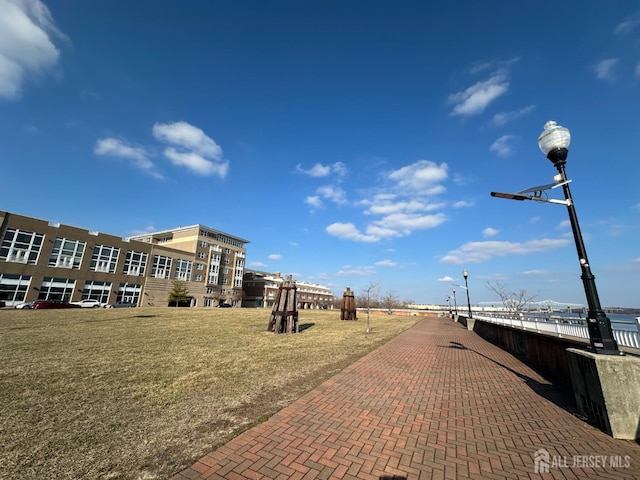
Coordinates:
(141, 394)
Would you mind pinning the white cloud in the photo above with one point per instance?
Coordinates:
(386, 263)
(196, 163)
(463, 204)
(489, 232)
(637, 206)
(604, 69)
(638, 69)
(348, 270)
(319, 170)
(446, 279)
(385, 207)
(258, 264)
(628, 24)
(348, 231)
(335, 194)
(502, 145)
(535, 219)
(186, 136)
(138, 156)
(422, 177)
(535, 272)
(275, 256)
(476, 252)
(503, 118)
(475, 99)
(313, 201)
(563, 224)
(192, 148)
(26, 48)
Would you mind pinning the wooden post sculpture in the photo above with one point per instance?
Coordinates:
(284, 316)
(348, 310)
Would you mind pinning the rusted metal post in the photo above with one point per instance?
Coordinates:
(348, 310)
(284, 316)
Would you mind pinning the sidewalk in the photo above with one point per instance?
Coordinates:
(436, 402)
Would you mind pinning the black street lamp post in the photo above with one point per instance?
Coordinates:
(455, 303)
(554, 142)
(465, 274)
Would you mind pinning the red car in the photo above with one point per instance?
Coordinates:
(40, 304)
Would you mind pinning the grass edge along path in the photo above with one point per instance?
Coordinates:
(143, 393)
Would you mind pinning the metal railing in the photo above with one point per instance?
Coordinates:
(561, 327)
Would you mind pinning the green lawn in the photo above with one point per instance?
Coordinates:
(142, 393)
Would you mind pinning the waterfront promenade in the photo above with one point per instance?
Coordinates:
(437, 401)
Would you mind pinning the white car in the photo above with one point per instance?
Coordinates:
(24, 305)
(89, 303)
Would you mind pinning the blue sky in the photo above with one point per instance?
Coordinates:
(352, 142)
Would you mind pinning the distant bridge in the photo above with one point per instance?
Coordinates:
(542, 304)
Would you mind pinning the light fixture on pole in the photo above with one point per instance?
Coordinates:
(455, 303)
(449, 304)
(465, 274)
(554, 142)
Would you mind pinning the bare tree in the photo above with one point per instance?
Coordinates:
(369, 294)
(390, 300)
(514, 302)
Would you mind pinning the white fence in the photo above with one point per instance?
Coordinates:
(564, 328)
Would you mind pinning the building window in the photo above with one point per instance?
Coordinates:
(225, 270)
(225, 281)
(202, 255)
(104, 259)
(227, 251)
(96, 290)
(56, 289)
(198, 278)
(237, 283)
(210, 290)
(227, 261)
(13, 288)
(161, 266)
(128, 293)
(203, 244)
(135, 263)
(208, 302)
(21, 246)
(213, 274)
(199, 266)
(183, 270)
(66, 253)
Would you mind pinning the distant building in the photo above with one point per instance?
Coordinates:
(261, 288)
(40, 260)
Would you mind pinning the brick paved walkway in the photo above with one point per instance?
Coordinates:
(435, 402)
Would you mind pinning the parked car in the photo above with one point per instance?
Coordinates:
(24, 305)
(90, 303)
(122, 305)
(41, 304)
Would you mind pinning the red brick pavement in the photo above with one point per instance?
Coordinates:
(436, 402)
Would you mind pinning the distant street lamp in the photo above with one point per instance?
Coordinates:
(465, 274)
(449, 304)
(554, 142)
(455, 303)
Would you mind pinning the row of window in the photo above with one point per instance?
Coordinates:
(13, 289)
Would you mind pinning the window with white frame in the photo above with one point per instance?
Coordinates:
(56, 289)
(202, 255)
(13, 288)
(203, 244)
(161, 267)
(225, 281)
(208, 302)
(237, 283)
(183, 269)
(198, 278)
(213, 274)
(96, 290)
(66, 253)
(199, 266)
(210, 290)
(129, 293)
(21, 246)
(135, 263)
(104, 258)
(225, 270)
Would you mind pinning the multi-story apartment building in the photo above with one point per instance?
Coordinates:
(261, 289)
(215, 269)
(40, 260)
